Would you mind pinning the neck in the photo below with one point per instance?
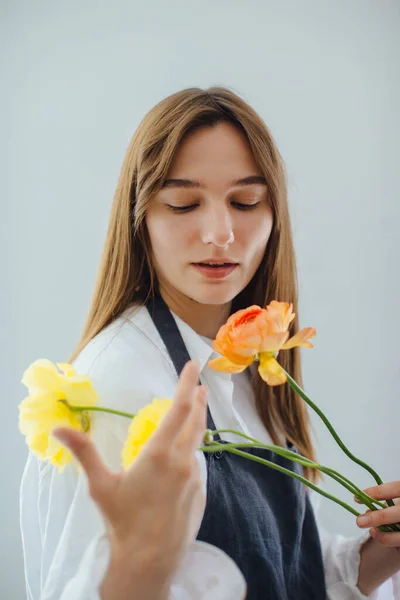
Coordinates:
(204, 319)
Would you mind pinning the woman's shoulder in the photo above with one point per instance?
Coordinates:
(131, 336)
(127, 360)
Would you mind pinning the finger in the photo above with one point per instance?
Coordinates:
(383, 502)
(85, 452)
(383, 516)
(391, 539)
(385, 491)
(358, 500)
(193, 504)
(396, 501)
(182, 406)
(193, 432)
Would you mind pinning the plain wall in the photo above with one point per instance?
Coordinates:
(77, 78)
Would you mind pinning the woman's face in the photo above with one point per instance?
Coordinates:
(213, 208)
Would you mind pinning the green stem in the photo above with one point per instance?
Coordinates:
(349, 485)
(344, 481)
(366, 499)
(97, 408)
(233, 448)
(319, 412)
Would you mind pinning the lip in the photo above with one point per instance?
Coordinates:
(223, 260)
(216, 272)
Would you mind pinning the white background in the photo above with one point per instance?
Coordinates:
(77, 78)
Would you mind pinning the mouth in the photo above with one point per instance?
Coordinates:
(216, 269)
(216, 264)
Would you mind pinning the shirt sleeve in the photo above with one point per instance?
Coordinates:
(66, 550)
(341, 556)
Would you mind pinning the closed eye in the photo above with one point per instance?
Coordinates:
(190, 207)
(241, 206)
(181, 209)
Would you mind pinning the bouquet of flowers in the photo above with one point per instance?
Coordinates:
(59, 397)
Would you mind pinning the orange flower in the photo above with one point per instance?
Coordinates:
(244, 335)
(258, 334)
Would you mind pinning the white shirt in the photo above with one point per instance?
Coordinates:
(65, 546)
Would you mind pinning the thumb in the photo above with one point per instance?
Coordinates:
(85, 452)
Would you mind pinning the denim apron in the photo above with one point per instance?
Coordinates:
(260, 517)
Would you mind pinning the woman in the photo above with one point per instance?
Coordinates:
(199, 229)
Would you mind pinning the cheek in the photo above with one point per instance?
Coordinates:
(167, 236)
(255, 232)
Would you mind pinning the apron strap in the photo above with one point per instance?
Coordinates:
(171, 336)
(169, 332)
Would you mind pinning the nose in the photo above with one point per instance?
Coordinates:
(217, 227)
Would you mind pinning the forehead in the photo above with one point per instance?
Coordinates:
(219, 153)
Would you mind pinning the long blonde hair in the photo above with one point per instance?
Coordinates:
(127, 277)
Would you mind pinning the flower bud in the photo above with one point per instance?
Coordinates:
(208, 437)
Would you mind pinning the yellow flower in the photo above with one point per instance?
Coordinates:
(258, 334)
(51, 389)
(142, 427)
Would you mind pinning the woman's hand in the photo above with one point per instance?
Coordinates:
(383, 516)
(152, 511)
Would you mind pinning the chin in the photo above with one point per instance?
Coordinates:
(214, 294)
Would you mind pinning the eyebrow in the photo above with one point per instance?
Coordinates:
(190, 184)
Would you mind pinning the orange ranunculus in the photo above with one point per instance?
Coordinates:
(258, 334)
(280, 315)
(242, 338)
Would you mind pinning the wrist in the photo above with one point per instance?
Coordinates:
(135, 575)
(377, 564)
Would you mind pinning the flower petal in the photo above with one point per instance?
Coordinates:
(36, 410)
(67, 369)
(227, 366)
(59, 457)
(44, 409)
(38, 444)
(238, 355)
(142, 428)
(79, 390)
(300, 339)
(280, 315)
(274, 342)
(241, 335)
(242, 317)
(42, 375)
(270, 370)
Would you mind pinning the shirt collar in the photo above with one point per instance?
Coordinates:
(197, 348)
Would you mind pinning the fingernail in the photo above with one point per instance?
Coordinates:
(363, 521)
(204, 394)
